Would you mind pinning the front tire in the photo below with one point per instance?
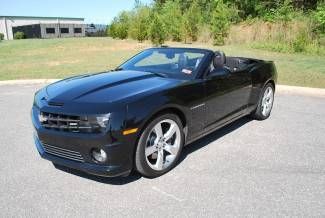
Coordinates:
(265, 103)
(159, 146)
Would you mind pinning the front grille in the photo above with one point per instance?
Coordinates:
(67, 123)
(62, 152)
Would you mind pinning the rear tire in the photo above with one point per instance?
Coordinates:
(159, 146)
(265, 103)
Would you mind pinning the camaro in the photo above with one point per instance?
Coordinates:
(140, 115)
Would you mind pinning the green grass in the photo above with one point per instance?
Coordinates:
(59, 58)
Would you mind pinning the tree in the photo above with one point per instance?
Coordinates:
(119, 27)
(172, 17)
(123, 25)
(283, 12)
(248, 8)
(112, 30)
(139, 23)
(184, 19)
(305, 4)
(220, 22)
(157, 31)
(319, 17)
(191, 21)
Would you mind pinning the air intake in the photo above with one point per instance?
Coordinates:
(62, 152)
(56, 104)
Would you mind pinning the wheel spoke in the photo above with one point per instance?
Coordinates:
(264, 109)
(160, 160)
(264, 101)
(267, 101)
(170, 132)
(269, 94)
(150, 150)
(158, 130)
(171, 149)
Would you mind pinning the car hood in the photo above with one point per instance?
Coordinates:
(106, 87)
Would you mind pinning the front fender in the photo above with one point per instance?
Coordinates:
(141, 112)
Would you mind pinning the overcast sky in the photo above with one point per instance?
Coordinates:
(94, 11)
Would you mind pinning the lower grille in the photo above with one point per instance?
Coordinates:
(62, 152)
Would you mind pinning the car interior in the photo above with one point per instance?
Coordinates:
(232, 64)
(177, 65)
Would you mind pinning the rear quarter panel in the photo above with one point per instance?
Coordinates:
(262, 72)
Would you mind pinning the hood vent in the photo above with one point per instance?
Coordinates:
(56, 104)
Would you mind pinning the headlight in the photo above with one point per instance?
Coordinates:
(97, 122)
(103, 120)
(42, 118)
(35, 102)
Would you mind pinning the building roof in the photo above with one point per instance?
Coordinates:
(52, 18)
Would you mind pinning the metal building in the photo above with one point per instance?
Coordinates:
(42, 27)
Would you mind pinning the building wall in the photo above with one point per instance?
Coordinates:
(70, 28)
(22, 21)
(3, 27)
(44, 35)
(83, 31)
(59, 34)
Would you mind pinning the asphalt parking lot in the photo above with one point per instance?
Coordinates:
(249, 168)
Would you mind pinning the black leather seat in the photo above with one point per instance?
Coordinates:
(235, 64)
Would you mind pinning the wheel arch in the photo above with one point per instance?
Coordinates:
(165, 110)
(168, 109)
(270, 81)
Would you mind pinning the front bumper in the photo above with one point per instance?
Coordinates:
(90, 168)
(119, 151)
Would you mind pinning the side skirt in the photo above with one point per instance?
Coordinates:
(247, 112)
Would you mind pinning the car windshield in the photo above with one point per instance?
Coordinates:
(179, 63)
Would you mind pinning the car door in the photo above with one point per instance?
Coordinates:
(227, 95)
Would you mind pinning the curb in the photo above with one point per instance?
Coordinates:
(284, 89)
(297, 90)
(27, 81)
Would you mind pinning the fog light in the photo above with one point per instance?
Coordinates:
(99, 155)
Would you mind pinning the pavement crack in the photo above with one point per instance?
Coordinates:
(167, 194)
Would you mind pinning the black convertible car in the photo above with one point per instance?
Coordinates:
(140, 115)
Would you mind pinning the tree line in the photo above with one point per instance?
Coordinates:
(185, 20)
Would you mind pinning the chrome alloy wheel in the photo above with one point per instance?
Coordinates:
(163, 144)
(267, 101)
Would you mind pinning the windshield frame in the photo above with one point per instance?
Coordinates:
(195, 74)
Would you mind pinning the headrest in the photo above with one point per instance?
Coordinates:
(219, 59)
(182, 61)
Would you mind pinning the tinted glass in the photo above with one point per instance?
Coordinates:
(50, 30)
(64, 30)
(77, 30)
(172, 62)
